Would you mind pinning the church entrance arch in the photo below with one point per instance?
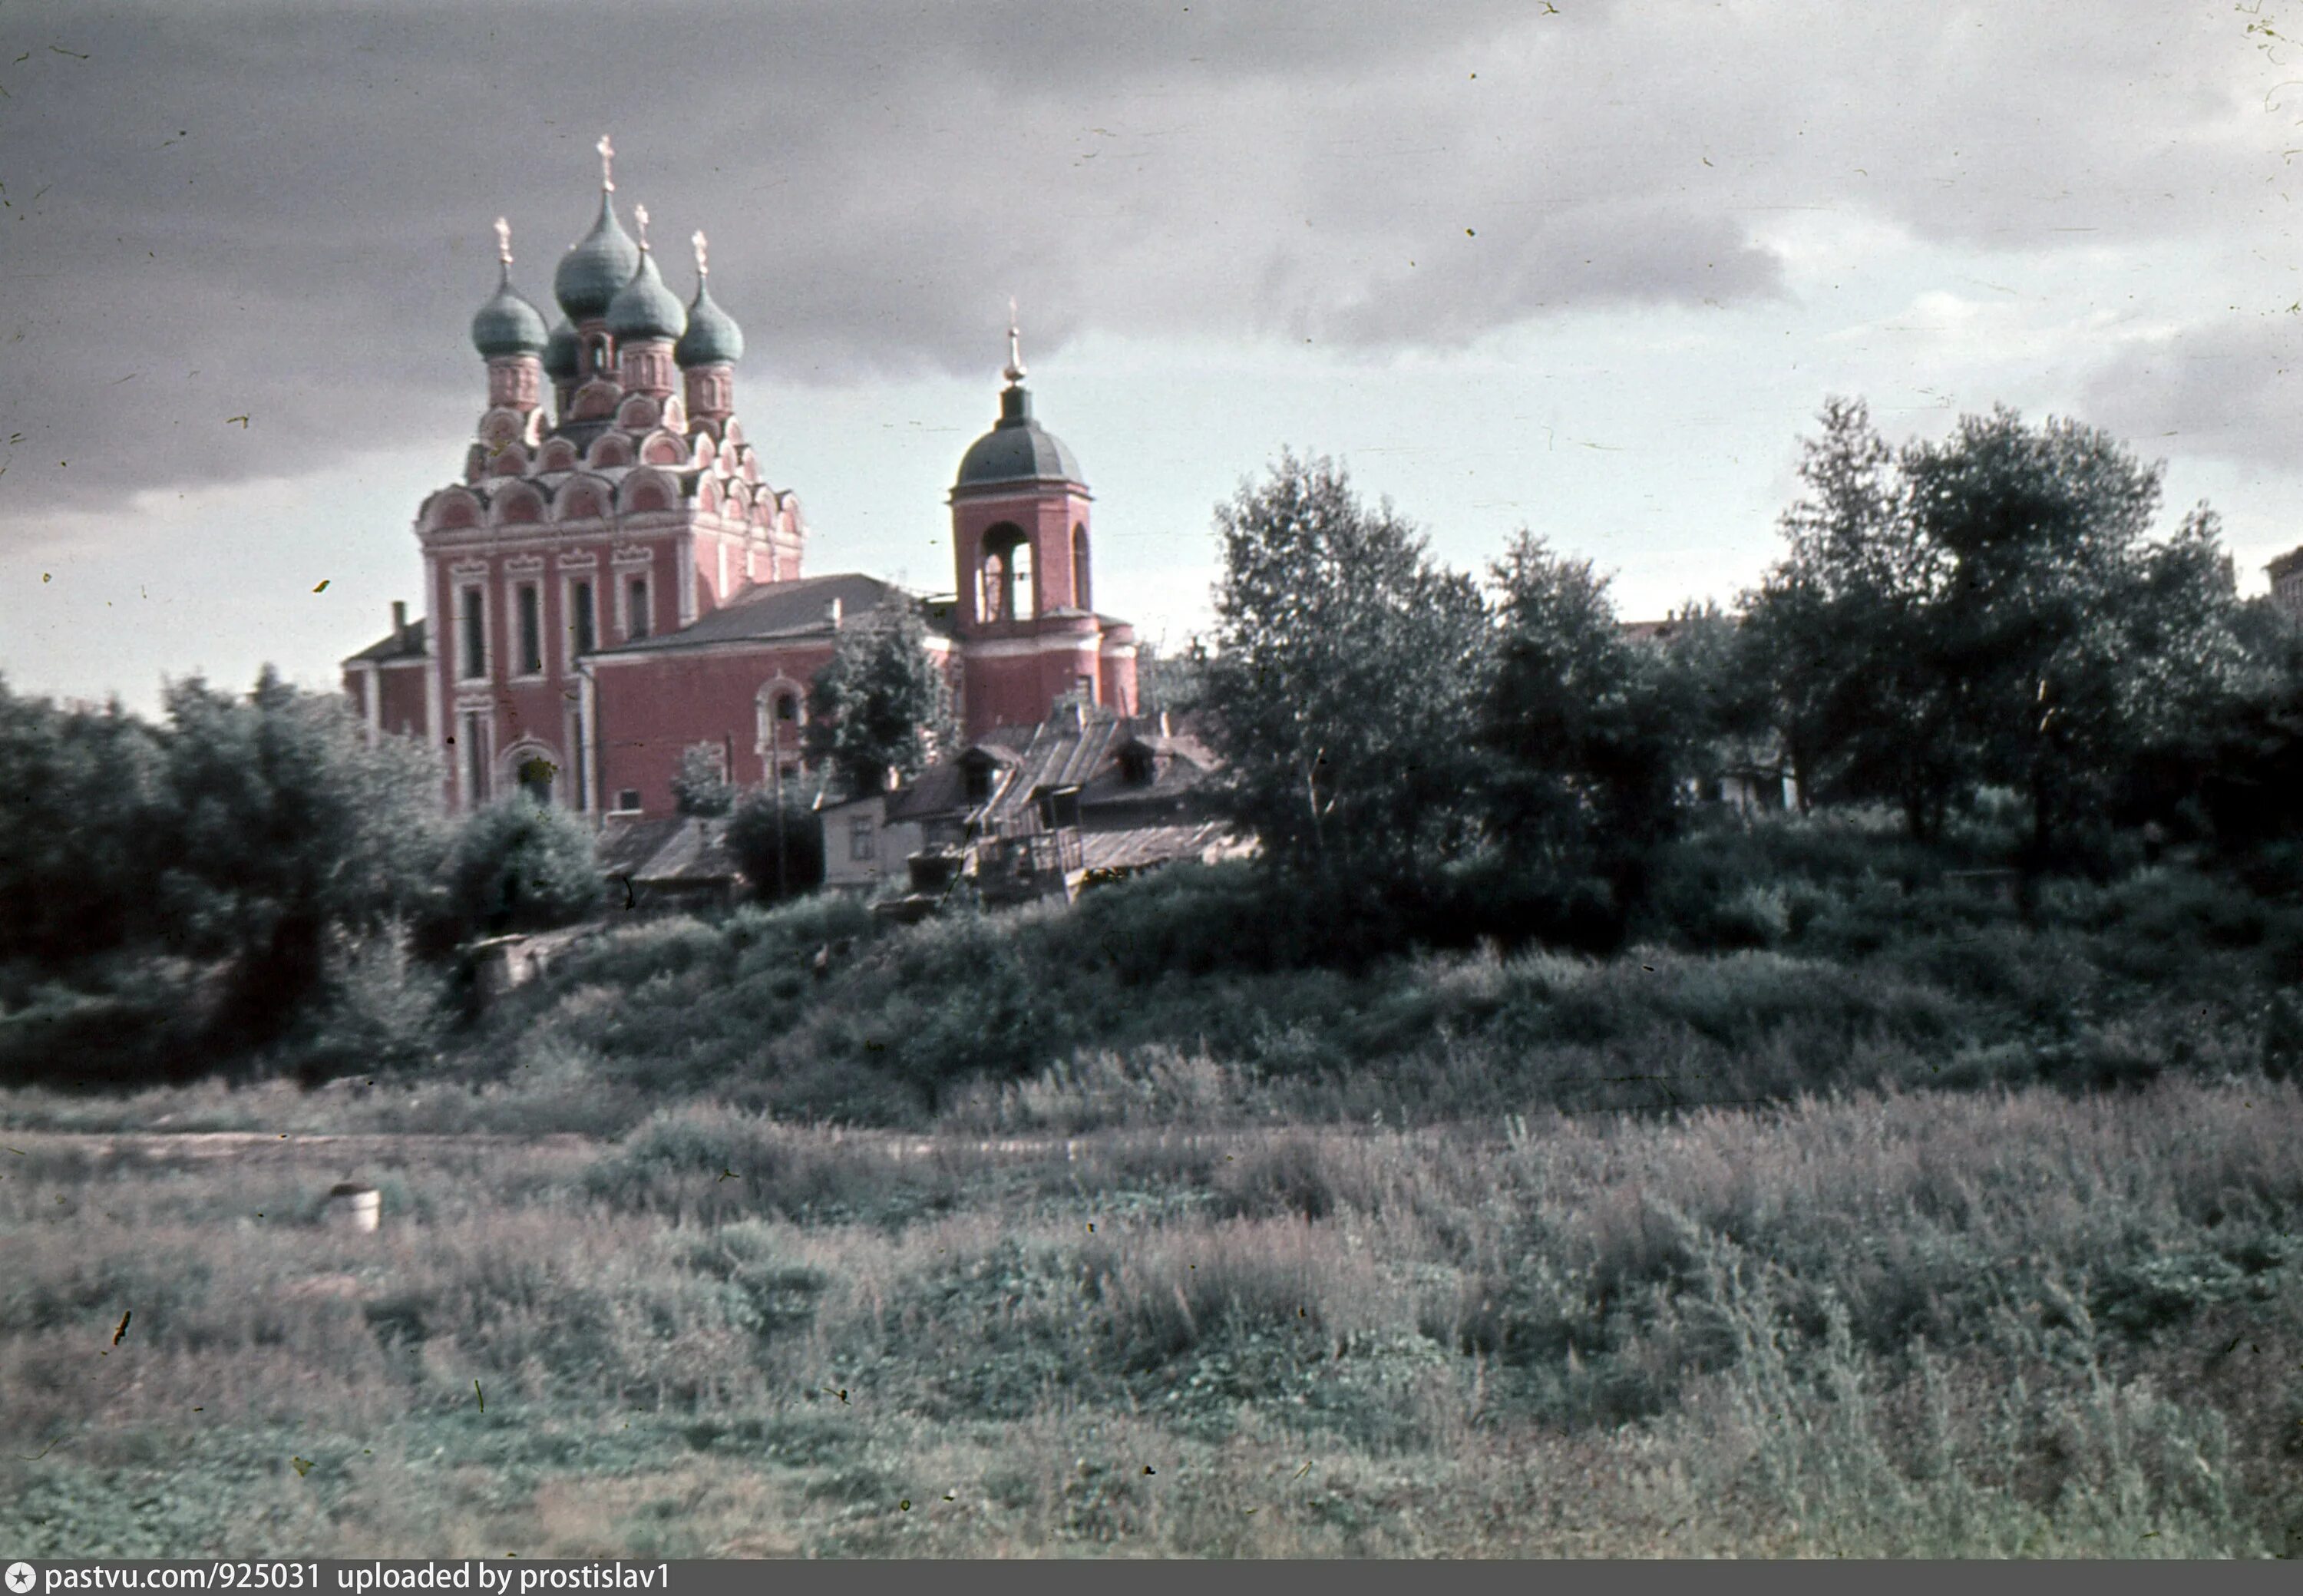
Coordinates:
(535, 770)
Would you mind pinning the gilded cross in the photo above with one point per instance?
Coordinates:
(607, 156)
(1014, 372)
(504, 241)
(702, 270)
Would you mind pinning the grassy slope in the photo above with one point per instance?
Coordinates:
(1988, 1242)
(1996, 1323)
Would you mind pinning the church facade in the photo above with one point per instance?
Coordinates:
(615, 580)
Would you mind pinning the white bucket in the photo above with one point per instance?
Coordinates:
(356, 1208)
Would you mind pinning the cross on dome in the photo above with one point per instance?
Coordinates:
(504, 241)
(607, 170)
(697, 239)
(1014, 371)
(639, 214)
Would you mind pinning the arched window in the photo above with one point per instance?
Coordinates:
(1082, 595)
(781, 710)
(1006, 587)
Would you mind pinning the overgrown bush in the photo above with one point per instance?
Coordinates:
(520, 865)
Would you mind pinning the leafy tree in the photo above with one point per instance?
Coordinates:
(1173, 684)
(1592, 733)
(282, 827)
(79, 850)
(1989, 608)
(781, 854)
(702, 786)
(2068, 639)
(520, 865)
(1344, 684)
(1843, 628)
(881, 702)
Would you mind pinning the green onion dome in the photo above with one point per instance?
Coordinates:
(713, 337)
(599, 265)
(507, 324)
(562, 358)
(645, 308)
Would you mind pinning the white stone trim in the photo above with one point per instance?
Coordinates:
(683, 560)
(587, 712)
(764, 716)
(1010, 648)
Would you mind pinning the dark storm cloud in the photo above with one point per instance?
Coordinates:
(282, 212)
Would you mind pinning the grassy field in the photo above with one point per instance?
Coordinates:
(2011, 1320)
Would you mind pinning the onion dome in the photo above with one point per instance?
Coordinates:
(645, 307)
(563, 356)
(507, 324)
(601, 263)
(713, 337)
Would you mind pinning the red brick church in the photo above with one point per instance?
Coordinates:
(615, 580)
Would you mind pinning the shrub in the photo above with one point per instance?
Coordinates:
(776, 847)
(520, 865)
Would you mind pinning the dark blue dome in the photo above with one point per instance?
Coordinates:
(508, 324)
(1017, 450)
(562, 356)
(713, 337)
(645, 308)
(592, 272)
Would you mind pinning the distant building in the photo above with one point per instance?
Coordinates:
(1082, 796)
(2286, 574)
(614, 582)
(1746, 774)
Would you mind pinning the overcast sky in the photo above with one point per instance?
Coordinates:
(1583, 266)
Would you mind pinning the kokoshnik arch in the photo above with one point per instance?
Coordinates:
(616, 582)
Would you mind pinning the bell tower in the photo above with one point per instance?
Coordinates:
(1021, 558)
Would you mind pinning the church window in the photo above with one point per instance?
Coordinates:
(583, 632)
(627, 800)
(636, 615)
(862, 845)
(1081, 594)
(787, 706)
(1084, 685)
(531, 630)
(476, 634)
